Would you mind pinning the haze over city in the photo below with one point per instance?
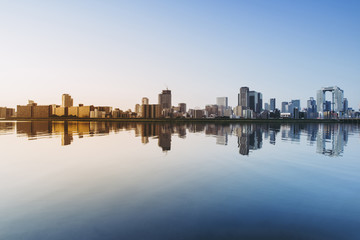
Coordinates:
(118, 52)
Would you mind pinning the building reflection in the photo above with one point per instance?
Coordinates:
(7, 127)
(220, 132)
(250, 137)
(329, 139)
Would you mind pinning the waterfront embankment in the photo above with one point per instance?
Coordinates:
(188, 120)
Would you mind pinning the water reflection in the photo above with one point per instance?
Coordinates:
(7, 127)
(330, 139)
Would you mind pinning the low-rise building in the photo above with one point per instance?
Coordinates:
(24, 111)
(73, 111)
(84, 111)
(61, 111)
(7, 112)
(198, 113)
(44, 111)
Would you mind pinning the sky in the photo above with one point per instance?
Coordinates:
(114, 53)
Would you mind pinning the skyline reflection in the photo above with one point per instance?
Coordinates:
(328, 139)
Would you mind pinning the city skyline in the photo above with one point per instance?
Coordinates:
(250, 106)
(114, 54)
(205, 119)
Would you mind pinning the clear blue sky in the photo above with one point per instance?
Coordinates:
(116, 52)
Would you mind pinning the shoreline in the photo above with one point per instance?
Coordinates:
(186, 120)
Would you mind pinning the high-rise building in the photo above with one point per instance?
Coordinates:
(284, 107)
(165, 99)
(337, 99)
(222, 103)
(266, 106)
(252, 100)
(346, 105)
(327, 106)
(296, 103)
(243, 97)
(311, 108)
(67, 101)
(144, 101)
(182, 107)
(272, 104)
(255, 101)
(259, 106)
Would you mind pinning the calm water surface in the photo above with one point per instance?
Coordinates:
(97, 180)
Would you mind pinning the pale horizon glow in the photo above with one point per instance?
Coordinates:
(114, 53)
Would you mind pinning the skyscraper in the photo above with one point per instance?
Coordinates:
(296, 104)
(293, 105)
(243, 97)
(346, 105)
(222, 103)
(165, 99)
(284, 107)
(67, 101)
(337, 99)
(266, 106)
(182, 107)
(255, 101)
(311, 108)
(259, 106)
(272, 104)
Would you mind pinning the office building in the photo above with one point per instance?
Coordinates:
(337, 103)
(73, 111)
(259, 106)
(67, 101)
(151, 110)
(272, 104)
(255, 101)
(182, 107)
(222, 103)
(137, 109)
(266, 106)
(284, 107)
(61, 111)
(211, 110)
(243, 97)
(327, 106)
(311, 108)
(295, 103)
(7, 112)
(198, 113)
(84, 111)
(41, 111)
(144, 101)
(165, 99)
(346, 105)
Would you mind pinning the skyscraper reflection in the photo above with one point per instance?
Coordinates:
(330, 139)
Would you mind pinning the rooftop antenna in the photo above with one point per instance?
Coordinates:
(166, 87)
